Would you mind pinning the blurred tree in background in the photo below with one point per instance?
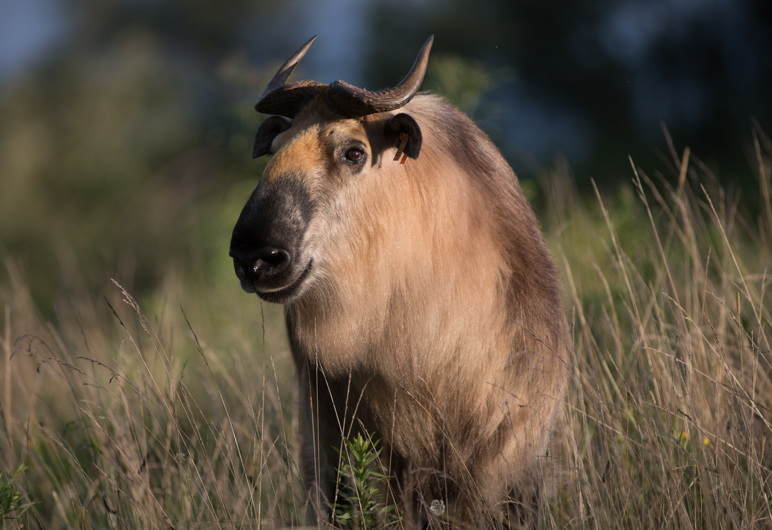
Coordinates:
(113, 148)
(596, 78)
(126, 147)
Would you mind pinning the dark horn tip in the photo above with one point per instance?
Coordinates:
(311, 41)
(427, 47)
(286, 69)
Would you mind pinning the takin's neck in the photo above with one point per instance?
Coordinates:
(419, 291)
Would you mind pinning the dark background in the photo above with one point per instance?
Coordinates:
(126, 126)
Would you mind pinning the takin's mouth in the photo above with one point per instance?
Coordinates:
(283, 295)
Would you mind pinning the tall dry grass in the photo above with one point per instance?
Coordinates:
(668, 421)
(127, 420)
(179, 411)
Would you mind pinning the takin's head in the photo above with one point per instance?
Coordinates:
(320, 138)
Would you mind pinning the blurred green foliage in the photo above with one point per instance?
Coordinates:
(128, 151)
(12, 505)
(108, 171)
(463, 82)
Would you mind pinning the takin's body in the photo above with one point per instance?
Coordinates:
(429, 309)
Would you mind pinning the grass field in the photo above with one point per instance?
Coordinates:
(177, 411)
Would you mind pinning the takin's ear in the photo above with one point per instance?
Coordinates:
(270, 129)
(403, 123)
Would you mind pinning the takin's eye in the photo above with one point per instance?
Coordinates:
(355, 155)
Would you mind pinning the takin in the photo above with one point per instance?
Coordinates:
(422, 306)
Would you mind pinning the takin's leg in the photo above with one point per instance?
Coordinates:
(315, 464)
(323, 416)
(512, 466)
(319, 433)
(319, 430)
(523, 506)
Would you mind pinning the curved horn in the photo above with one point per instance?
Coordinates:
(355, 102)
(287, 68)
(287, 100)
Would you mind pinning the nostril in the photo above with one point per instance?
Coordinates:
(239, 263)
(240, 274)
(263, 263)
(269, 260)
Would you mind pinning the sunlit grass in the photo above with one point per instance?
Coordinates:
(179, 411)
(667, 422)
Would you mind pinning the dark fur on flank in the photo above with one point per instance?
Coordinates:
(429, 315)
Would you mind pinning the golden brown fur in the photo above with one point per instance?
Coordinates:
(434, 316)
